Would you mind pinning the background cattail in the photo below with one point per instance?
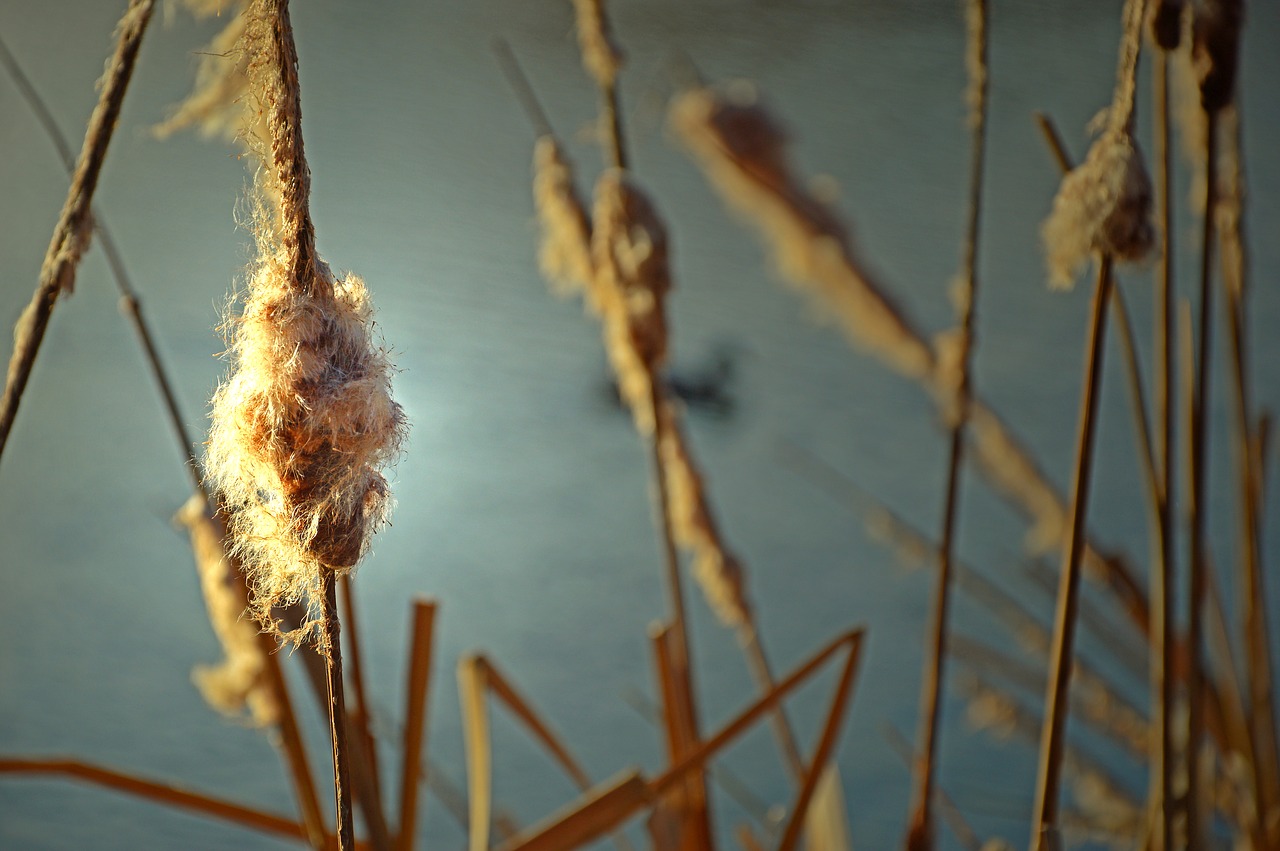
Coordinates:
(237, 682)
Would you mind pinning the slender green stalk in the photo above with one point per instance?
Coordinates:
(1053, 740)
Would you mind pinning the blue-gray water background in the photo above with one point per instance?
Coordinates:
(523, 492)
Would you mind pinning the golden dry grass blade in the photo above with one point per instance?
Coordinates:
(160, 792)
(71, 234)
(960, 827)
(475, 728)
(823, 752)
(601, 810)
(331, 648)
(417, 682)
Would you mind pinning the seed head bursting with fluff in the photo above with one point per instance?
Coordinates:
(305, 421)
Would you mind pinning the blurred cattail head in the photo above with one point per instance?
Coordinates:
(237, 682)
(1166, 23)
(565, 253)
(632, 277)
(600, 55)
(1103, 206)
(1215, 50)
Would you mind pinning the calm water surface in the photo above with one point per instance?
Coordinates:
(522, 496)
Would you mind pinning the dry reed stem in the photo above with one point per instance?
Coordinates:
(1249, 471)
(1044, 824)
(609, 805)
(162, 793)
(951, 814)
(1198, 506)
(71, 234)
(331, 647)
(920, 835)
(417, 681)
(130, 304)
(270, 694)
(361, 717)
(681, 819)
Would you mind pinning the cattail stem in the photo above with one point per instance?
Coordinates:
(1053, 739)
(130, 304)
(921, 834)
(70, 236)
(331, 647)
(1163, 670)
(1199, 507)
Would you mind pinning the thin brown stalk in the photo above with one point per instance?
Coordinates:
(920, 835)
(129, 301)
(163, 793)
(417, 682)
(331, 647)
(360, 718)
(71, 235)
(951, 814)
(1199, 507)
(1230, 211)
(1163, 626)
(1045, 820)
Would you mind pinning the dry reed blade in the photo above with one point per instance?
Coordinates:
(920, 836)
(475, 728)
(685, 806)
(71, 234)
(417, 682)
(163, 793)
(360, 718)
(1233, 250)
(600, 811)
(1044, 824)
(609, 805)
(129, 300)
(747, 839)
(330, 646)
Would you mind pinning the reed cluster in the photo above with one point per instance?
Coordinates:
(304, 426)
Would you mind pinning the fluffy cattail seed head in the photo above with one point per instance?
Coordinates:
(1103, 205)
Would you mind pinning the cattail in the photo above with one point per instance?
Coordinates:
(714, 567)
(305, 420)
(600, 55)
(1215, 50)
(564, 255)
(742, 151)
(1104, 204)
(632, 277)
(237, 682)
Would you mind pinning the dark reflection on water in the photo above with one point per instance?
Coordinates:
(523, 500)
